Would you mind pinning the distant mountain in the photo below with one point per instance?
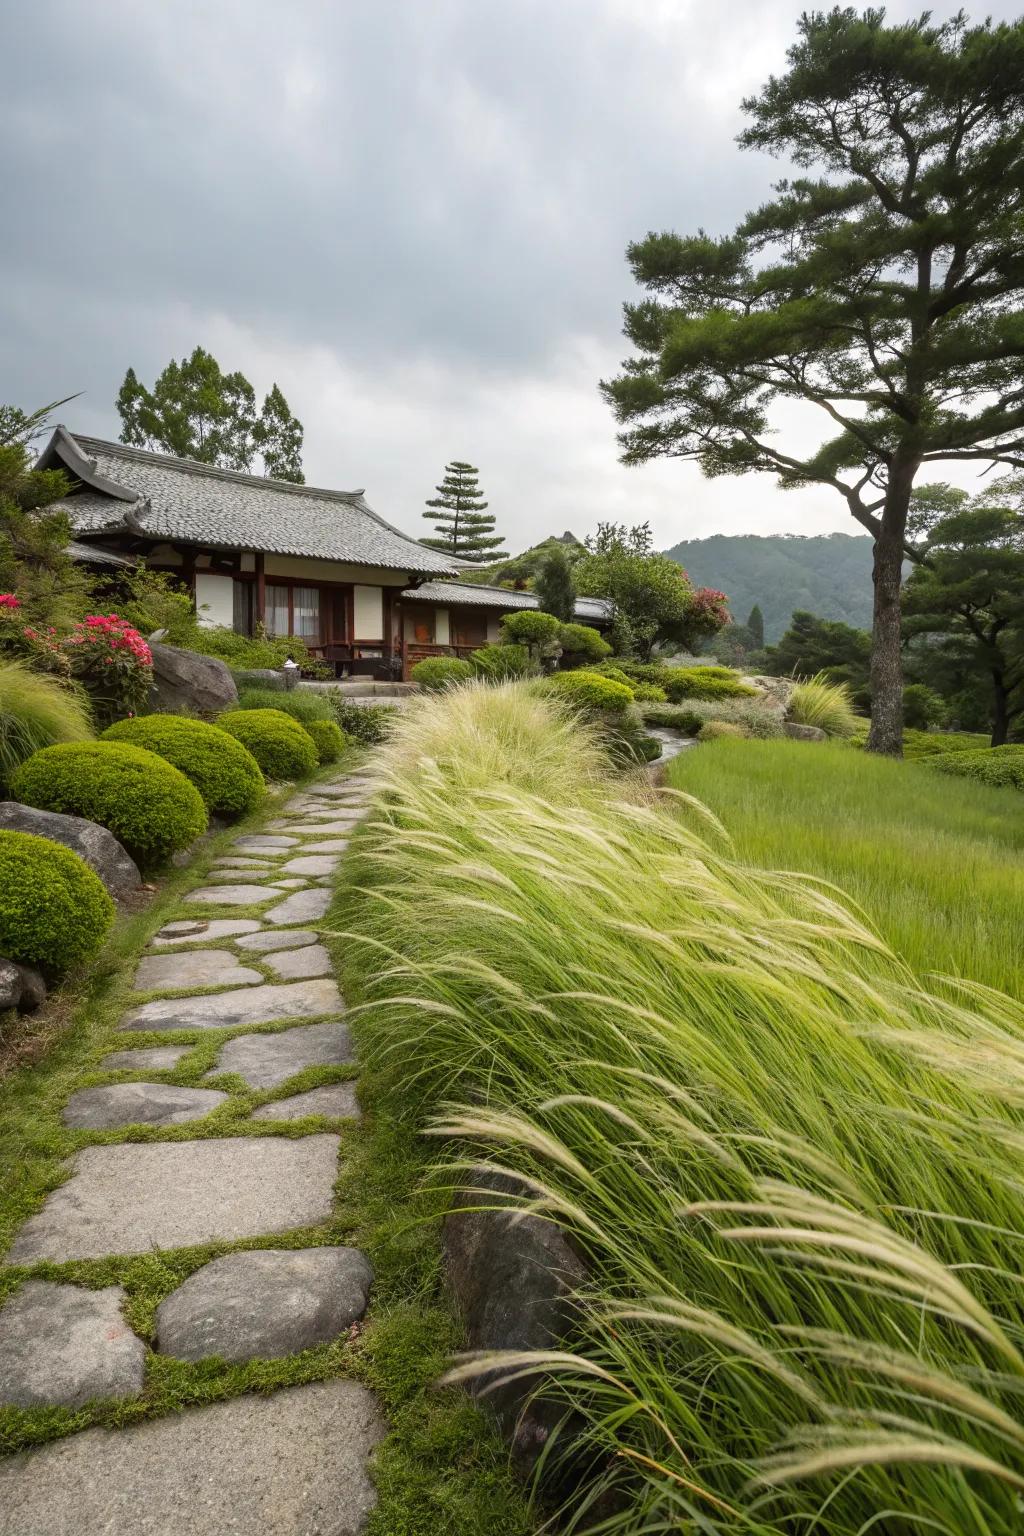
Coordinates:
(828, 574)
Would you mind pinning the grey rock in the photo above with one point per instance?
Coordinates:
(231, 895)
(194, 968)
(264, 843)
(203, 928)
(291, 964)
(301, 907)
(227, 862)
(511, 1280)
(311, 864)
(291, 938)
(184, 682)
(225, 1010)
(99, 848)
(266, 1303)
(294, 884)
(803, 732)
(294, 1464)
(329, 844)
(152, 1058)
(114, 1104)
(335, 1100)
(141, 1196)
(63, 1344)
(341, 789)
(267, 1061)
(33, 989)
(10, 984)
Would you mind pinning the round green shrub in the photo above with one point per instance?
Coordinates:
(530, 627)
(704, 683)
(149, 806)
(649, 693)
(327, 738)
(582, 644)
(283, 749)
(226, 775)
(501, 663)
(436, 672)
(592, 692)
(54, 910)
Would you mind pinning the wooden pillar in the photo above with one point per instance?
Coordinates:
(261, 590)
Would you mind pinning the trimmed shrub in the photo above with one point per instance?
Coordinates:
(225, 774)
(149, 806)
(649, 693)
(827, 705)
(281, 746)
(435, 672)
(709, 683)
(717, 730)
(35, 712)
(54, 910)
(501, 663)
(1002, 767)
(303, 704)
(934, 743)
(591, 692)
(529, 627)
(618, 673)
(365, 723)
(750, 714)
(582, 645)
(327, 739)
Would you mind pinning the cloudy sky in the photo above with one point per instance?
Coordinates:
(410, 214)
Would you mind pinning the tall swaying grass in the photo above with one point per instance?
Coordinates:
(829, 706)
(35, 712)
(795, 1174)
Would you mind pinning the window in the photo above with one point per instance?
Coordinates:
(306, 612)
(241, 595)
(277, 614)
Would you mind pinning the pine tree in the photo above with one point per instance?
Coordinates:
(756, 626)
(464, 528)
(554, 587)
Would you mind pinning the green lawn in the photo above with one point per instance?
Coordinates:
(934, 861)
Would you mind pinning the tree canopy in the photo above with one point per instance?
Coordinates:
(655, 603)
(811, 645)
(196, 411)
(35, 531)
(554, 585)
(883, 290)
(458, 511)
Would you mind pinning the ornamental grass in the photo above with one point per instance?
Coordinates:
(794, 1171)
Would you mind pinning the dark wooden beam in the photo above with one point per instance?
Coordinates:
(261, 589)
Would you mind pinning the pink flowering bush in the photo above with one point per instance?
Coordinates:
(113, 662)
(39, 649)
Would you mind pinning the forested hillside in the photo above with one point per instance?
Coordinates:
(828, 574)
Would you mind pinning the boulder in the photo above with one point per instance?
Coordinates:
(803, 732)
(10, 984)
(99, 848)
(33, 989)
(186, 683)
(512, 1280)
(775, 692)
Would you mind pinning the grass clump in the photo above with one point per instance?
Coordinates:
(226, 775)
(1001, 767)
(829, 706)
(793, 1169)
(720, 730)
(278, 742)
(150, 807)
(35, 712)
(54, 910)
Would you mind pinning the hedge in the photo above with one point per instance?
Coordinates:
(435, 672)
(1002, 767)
(149, 806)
(327, 739)
(283, 749)
(225, 774)
(54, 910)
(592, 692)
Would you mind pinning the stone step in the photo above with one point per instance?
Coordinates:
(141, 1196)
(64, 1344)
(262, 842)
(336, 1100)
(151, 1058)
(267, 1061)
(295, 1464)
(301, 907)
(195, 968)
(116, 1104)
(231, 895)
(268, 1004)
(293, 964)
(191, 930)
(277, 938)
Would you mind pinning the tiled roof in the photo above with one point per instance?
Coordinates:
(95, 554)
(156, 496)
(505, 598)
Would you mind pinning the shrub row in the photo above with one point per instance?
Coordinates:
(1002, 767)
(226, 775)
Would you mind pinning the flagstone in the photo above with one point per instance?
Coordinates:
(232, 895)
(138, 1197)
(336, 1100)
(267, 1061)
(228, 861)
(64, 1344)
(250, 1005)
(261, 842)
(151, 1058)
(115, 1104)
(289, 938)
(311, 960)
(329, 844)
(311, 864)
(193, 929)
(300, 907)
(195, 968)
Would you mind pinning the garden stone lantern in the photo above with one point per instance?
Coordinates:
(290, 673)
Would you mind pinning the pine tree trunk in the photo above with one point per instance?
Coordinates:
(886, 734)
(1000, 710)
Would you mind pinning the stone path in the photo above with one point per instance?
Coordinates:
(292, 1464)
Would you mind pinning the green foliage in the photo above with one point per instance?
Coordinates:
(812, 645)
(150, 600)
(520, 572)
(1001, 767)
(465, 529)
(226, 775)
(283, 749)
(922, 707)
(755, 718)
(113, 663)
(35, 531)
(440, 672)
(582, 645)
(303, 704)
(365, 723)
(755, 625)
(655, 603)
(648, 693)
(727, 1092)
(704, 683)
(327, 739)
(197, 412)
(917, 744)
(500, 663)
(528, 626)
(591, 692)
(720, 730)
(54, 910)
(256, 652)
(35, 712)
(554, 585)
(826, 705)
(149, 806)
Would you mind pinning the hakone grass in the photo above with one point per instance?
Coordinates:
(935, 863)
(441, 1466)
(793, 1169)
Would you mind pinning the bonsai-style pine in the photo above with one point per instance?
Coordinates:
(458, 513)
